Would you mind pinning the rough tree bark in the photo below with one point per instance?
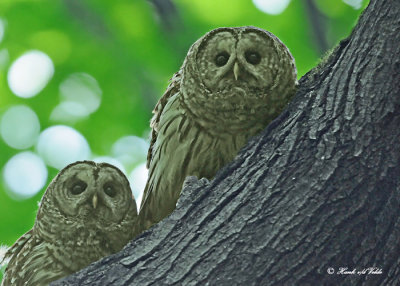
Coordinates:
(319, 188)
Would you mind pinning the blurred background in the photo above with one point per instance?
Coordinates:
(79, 78)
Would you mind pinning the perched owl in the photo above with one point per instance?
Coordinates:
(233, 82)
(86, 213)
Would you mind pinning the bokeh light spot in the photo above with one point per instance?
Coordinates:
(273, 7)
(80, 96)
(30, 73)
(25, 175)
(83, 89)
(138, 179)
(61, 145)
(20, 127)
(130, 150)
(68, 112)
(356, 4)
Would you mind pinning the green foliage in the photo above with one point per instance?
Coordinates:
(131, 51)
(2, 268)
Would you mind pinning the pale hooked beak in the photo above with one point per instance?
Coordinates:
(94, 201)
(236, 70)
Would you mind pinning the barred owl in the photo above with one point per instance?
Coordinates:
(86, 213)
(233, 82)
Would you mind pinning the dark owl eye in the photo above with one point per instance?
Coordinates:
(252, 57)
(78, 188)
(221, 59)
(110, 191)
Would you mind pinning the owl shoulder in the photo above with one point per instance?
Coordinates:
(172, 89)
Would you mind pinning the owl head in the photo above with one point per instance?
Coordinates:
(244, 70)
(86, 195)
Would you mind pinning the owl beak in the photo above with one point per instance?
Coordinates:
(94, 200)
(236, 70)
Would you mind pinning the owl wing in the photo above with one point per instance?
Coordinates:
(31, 262)
(173, 88)
(16, 247)
(20, 248)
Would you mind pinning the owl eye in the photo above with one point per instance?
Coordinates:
(110, 191)
(221, 59)
(252, 57)
(78, 188)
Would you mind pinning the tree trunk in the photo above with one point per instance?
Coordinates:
(318, 190)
